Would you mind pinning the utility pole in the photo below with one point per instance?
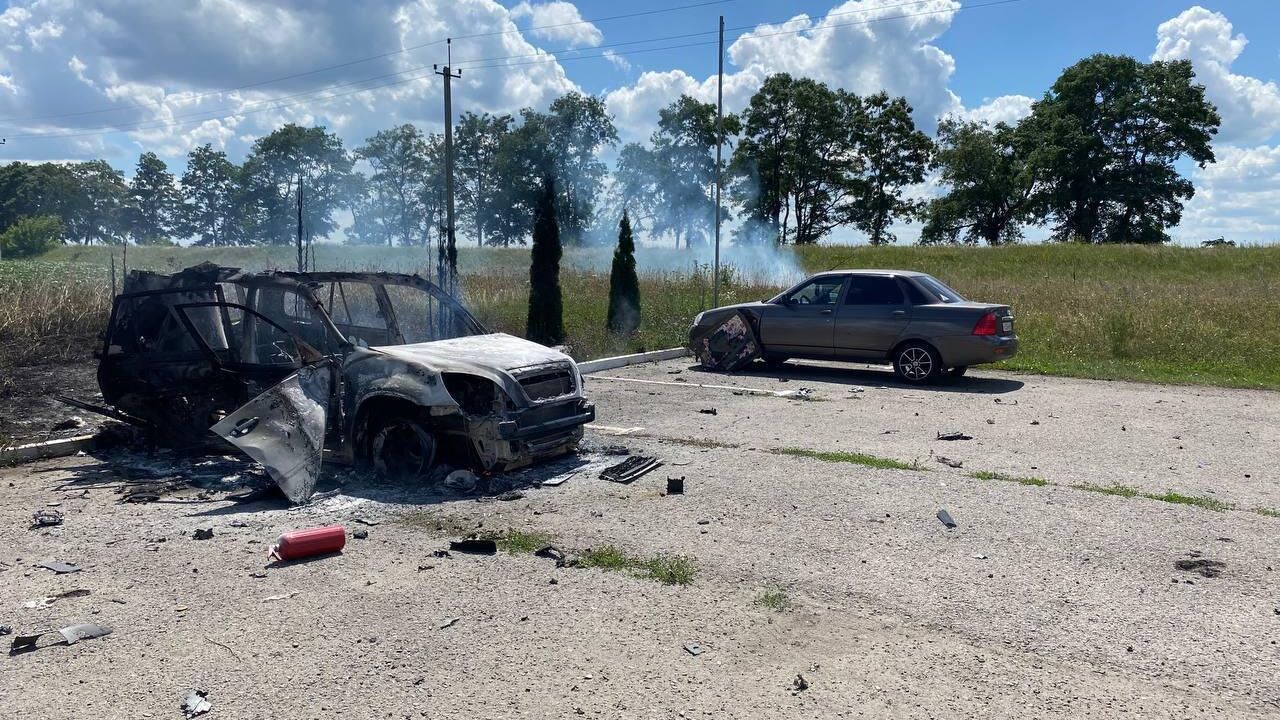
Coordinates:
(715, 273)
(451, 252)
(302, 258)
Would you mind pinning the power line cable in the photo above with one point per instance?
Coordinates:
(370, 58)
(275, 104)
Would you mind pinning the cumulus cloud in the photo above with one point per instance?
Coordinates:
(199, 76)
(1238, 197)
(559, 21)
(1004, 109)
(1250, 107)
(617, 60)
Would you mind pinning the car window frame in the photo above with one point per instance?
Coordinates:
(839, 299)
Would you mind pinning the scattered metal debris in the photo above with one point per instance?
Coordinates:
(474, 546)
(675, 486)
(630, 470)
(449, 622)
(552, 552)
(59, 567)
(196, 703)
(945, 517)
(360, 534)
(71, 635)
(709, 411)
(45, 518)
(309, 543)
(286, 596)
(555, 481)
(51, 599)
(949, 462)
(726, 345)
(461, 481)
(1002, 401)
(803, 393)
(366, 521)
(6, 630)
(202, 534)
(954, 435)
(800, 684)
(693, 649)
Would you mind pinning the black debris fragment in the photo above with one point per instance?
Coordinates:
(45, 518)
(202, 534)
(59, 567)
(1202, 566)
(448, 622)
(196, 703)
(945, 517)
(800, 684)
(675, 486)
(709, 411)
(360, 534)
(551, 552)
(366, 521)
(8, 630)
(949, 462)
(75, 422)
(474, 547)
(630, 469)
(441, 554)
(954, 435)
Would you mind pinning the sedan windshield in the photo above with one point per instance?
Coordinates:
(939, 288)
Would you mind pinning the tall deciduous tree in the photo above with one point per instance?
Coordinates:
(577, 127)
(546, 309)
(154, 202)
(894, 155)
(271, 183)
(402, 169)
(1106, 137)
(624, 286)
(211, 198)
(990, 185)
(477, 140)
(97, 205)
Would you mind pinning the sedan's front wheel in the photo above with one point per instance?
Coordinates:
(917, 363)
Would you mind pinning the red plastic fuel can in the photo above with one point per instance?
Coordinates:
(310, 542)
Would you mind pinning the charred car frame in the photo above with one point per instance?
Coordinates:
(297, 369)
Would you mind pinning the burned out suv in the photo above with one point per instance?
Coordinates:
(300, 368)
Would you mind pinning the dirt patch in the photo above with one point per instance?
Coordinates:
(29, 412)
(1202, 566)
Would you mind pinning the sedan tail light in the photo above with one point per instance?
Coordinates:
(986, 326)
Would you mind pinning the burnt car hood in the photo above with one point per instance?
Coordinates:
(476, 354)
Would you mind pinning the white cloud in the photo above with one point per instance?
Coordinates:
(1004, 109)
(1238, 197)
(1250, 107)
(559, 21)
(617, 60)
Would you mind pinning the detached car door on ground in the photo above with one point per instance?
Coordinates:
(803, 322)
(872, 317)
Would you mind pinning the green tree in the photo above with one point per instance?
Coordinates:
(402, 168)
(893, 154)
(577, 127)
(271, 183)
(211, 193)
(96, 207)
(477, 140)
(624, 286)
(30, 236)
(546, 309)
(1105, 139)
(28, 190)
(151, 216)
(989, 183)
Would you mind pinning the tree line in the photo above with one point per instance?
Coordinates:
(1094, 161)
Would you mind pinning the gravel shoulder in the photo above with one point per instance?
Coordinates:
(1045, 601)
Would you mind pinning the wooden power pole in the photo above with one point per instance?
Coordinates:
(715, 272)
(449, 253)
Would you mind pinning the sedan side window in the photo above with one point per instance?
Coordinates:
(873, 290)
(823, 291)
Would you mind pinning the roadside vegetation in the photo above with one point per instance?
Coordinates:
(854, 458)
(1157, 314)
(988, 475)
(774, 599)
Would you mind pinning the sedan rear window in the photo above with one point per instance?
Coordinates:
(939, 288)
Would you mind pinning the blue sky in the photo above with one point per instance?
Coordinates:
(111, 78)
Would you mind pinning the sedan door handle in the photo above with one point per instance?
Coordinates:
(825, 312)
(899, 313)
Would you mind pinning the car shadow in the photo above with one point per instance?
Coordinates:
(801, 371)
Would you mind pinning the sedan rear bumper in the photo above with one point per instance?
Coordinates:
(965, 350)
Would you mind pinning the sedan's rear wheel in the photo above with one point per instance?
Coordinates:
(917, 363)
(402, 449)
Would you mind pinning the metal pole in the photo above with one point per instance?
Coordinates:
(302, 260)
(715, 273)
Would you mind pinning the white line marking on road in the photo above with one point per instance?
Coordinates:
(613, 430)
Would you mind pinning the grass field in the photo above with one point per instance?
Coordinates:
(1157, 314)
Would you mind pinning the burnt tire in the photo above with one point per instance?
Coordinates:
(401, 448)
(917, 363)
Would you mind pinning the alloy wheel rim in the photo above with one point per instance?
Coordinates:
(916, 363)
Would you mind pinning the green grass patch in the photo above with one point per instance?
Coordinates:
(855, 458)
(666, 569)
(774, 599)
(988, 475)
(1268, 512)
(1117, 490)
(1202, 501)
(523, 542)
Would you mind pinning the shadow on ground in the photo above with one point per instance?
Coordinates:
(797, 371)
